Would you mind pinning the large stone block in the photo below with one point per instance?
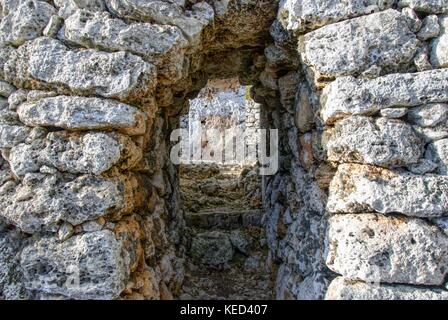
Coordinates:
(341, 289)
(439, 46)
(79, 153)
(381, 142)
(80, 113)
(26, 22)
(376, 248)
(163, 45)
(191, 22)
(382, 41)
(348, 95)
(303, 15)
(359, 188)
(47, 64)
(42, 201)
(89, 266)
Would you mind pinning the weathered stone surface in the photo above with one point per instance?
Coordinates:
(11, 135)
(6, 89)
(429, 115)
(89, 266)
(191, 23)
(438, 153)
(80, 113)
(348, 95)
(91, 152)
(381, 40)
(376, 248)
(11, 278)
(47, 64)
(394, 113)
(26, 22)
(357, 189)
(381, 142)
(439, 46)
(428, 6)
(341, 289)
(430, 28)
(69, 7)
(159, 44)
(303, 15)
(41, 201)
(212, 248)
(53, 26)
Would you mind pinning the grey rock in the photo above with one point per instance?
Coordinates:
(381, 142)
(421, 60)
(12, 135)
(428, 6)
(26, 22)
(433, 134)
(69, 7)
(11, 278)
(240, 241)
(190, 22)
(53, 26)
(88, 266)
(91, 226)
(423, 166)
(357, 189)
(65, 231)
(430, 28)
(80, 113)
(91, 152)
(341, 289)
(439, 46)
(414, 21)
(429, 115)
(47, 64)
(304, 15)
(394, 113)
(6, 89)
(380, 249)
(41, 201)
(158, 44)
(381, 40)
(437, 152)
(212, 248)
(348, 95)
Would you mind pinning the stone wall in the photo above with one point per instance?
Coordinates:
(90, 91)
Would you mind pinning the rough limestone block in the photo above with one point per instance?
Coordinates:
(427, 6)
(89, 266)
(359, 188)
(12, 135)
(26, 22)
(303, 15)
(47, 64)
(429, 115)
(79, 153)
(11, 278)
(437, 152)
(380, 41)
(158, 44)
(41, 201)
(80, 113)
(439, 46)
(342, 289)
(191, 22)
(212, 248)
(381, 142)
(430, 28)
(69, 7)
(380, 249)
(348, 95)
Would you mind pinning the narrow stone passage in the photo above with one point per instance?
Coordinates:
(227, 248)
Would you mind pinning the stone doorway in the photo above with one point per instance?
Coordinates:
(222, 199)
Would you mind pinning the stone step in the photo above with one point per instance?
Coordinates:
(224, 218)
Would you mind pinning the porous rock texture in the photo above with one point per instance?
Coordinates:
(90, 91)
